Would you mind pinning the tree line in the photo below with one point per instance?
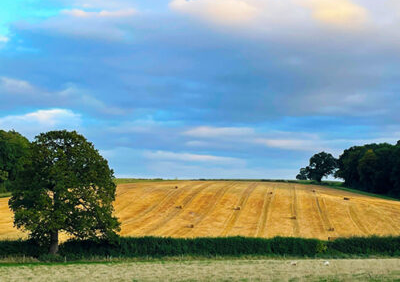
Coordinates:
(373, 168)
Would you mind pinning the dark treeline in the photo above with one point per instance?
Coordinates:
(373, 168)
(154, 247)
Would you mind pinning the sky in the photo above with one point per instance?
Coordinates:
(203, 88)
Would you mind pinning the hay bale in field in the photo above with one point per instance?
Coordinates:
(176, 187)
(190, 226)
(293, 217)
(346, 199)
(237, 208)
(314, 190)
(294, 263)
(270, 193)
(331, 229)
(179, 207)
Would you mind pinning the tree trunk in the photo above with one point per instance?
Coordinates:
(53, 243)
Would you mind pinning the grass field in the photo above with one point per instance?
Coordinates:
(210, 270)
(255, 209)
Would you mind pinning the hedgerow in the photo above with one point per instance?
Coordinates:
(128, 247)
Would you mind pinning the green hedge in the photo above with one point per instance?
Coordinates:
(158, 247)
(125, 247)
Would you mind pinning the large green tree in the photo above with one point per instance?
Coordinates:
(321, 165)
(67, 187)
(14, 154)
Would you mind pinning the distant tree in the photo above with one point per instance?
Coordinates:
(321, 165)
(14, 154)
(303, 174)
(68, 187)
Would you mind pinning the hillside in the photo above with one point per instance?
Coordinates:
(228, 208)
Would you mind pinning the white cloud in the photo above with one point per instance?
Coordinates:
(219, 11)
(15, 86)
(71, 95)
(337, 12)
(100, 14)
(187, 157)
(214, 132)
(100, 4)
(33, 123)
(260, 14)
(4, 39)
(291, 144)
(197, 143)
(220, 137)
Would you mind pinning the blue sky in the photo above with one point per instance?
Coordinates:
(203, 88)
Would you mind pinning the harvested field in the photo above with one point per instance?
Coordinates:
(211, 270)
(255, 209)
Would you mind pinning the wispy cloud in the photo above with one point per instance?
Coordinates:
(213, 132)
(337, 12)
(188, 157)
(100, 14)
(231, 12)
(71, 95)
(4, 39)
(10, 85)
(33, 123)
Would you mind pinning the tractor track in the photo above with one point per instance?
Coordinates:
(175, 212)
(211, 206)
(323, 213)
(167, 199)
(230, 222)
(295, 215)
(357, 222)
(262, 223)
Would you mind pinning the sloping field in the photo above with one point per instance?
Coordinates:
(256, 209)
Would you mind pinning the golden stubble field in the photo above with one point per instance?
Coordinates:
(230, 208)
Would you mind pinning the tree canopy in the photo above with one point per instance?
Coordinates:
(66, 187)
(373, 168)
(321, 165)
(14, 154)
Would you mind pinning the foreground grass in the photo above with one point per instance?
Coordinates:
(211, 270)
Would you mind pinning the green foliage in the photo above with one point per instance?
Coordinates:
(373, 168)
(66, 187)
(322, 247)
(303, 174)
(5, 195)
(21, 248)
(367, 166)
(14, 154)
(321, 165)
(388, 246)
(125, 247)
